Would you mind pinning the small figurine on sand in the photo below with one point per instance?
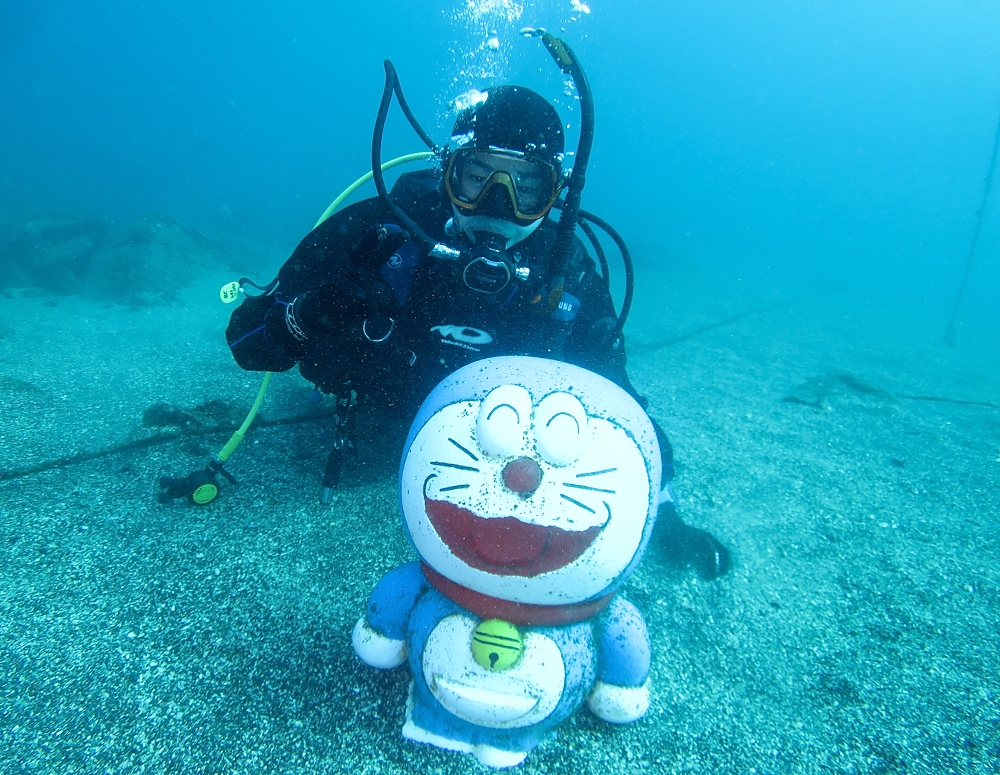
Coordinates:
(528, 488)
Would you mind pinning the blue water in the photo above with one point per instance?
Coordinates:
(846, 141)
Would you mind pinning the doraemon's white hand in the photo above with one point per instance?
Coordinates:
(619, 704)
(375, 649)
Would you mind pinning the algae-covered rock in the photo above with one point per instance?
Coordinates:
(150, 261)
(138, 265)
(53, 251)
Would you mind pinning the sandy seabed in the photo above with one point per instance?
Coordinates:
(848, 459)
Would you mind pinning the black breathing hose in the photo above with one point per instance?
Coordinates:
(583, 216)
(563, 250)
(390, 72)
(626, 260)
(602, 257)
(392, 87)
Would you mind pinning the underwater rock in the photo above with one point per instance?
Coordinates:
(51, 251)
(817, 392)
(140, 265)
(150, 262)
(168, 416)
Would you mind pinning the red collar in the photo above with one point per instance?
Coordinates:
(525, 614)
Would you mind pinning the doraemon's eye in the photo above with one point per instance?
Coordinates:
(503, 419)
(561, 429)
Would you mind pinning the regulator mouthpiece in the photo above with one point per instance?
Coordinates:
(489, 268)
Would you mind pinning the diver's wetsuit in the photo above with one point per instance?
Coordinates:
(436, 328)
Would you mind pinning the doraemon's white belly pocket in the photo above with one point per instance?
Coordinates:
(523, 694)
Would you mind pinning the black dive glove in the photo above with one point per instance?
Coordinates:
(354, 297)
(295, 328)
(323, 312)
(354, 293)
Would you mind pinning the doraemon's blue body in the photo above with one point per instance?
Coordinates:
(528, 488)
(612, 647)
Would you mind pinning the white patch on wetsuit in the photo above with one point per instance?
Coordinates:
(465, 337)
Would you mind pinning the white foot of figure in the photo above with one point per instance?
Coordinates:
(487, 755)
(375, 649)
(420, 735)
(619, 704)
(497, 758)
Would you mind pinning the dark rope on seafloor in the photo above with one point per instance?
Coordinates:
(152, 441)
(940, 400)
(818, 403)
(845, 378)
(862, 388)
(949, 334)
(645, 347)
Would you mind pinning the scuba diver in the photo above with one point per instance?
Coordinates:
(457, 263)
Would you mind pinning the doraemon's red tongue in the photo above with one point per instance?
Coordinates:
(505, 545)
(508, 541)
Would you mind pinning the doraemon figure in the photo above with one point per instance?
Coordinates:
(528, 488)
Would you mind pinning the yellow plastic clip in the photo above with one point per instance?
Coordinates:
(230, 292)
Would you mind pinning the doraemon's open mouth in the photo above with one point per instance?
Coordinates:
(506, 546)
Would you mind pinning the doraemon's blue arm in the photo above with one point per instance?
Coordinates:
(380, 636)
(621, 692)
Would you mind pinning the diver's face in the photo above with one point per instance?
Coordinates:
(530, 188)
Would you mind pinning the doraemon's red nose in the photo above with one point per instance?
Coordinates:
(522, 475)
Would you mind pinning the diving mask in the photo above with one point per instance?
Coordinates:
(472, 174)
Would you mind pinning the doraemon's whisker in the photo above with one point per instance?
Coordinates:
(454, 487)
(464, 450)
(454, 465)
(577, 503)
(587, 487)
(595, 473)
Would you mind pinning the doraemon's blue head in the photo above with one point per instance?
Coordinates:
(531, 481)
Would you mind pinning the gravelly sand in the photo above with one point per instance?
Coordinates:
(857, 633)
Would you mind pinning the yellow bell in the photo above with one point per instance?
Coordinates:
(497, 645)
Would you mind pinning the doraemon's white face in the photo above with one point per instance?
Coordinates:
(525, 498)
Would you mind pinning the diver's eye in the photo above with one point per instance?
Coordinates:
(477, 172)
(503, 419)
(561, 429)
